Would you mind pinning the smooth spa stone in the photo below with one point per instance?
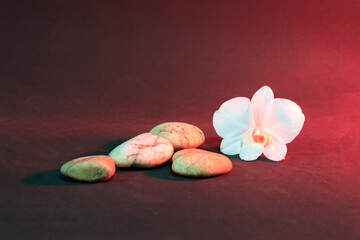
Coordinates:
(90, 168)
(143, 151)
(181, 135)
(200, 163)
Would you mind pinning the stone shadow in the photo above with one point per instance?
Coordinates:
(50, 178)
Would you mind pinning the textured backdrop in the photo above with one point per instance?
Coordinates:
(80, 77)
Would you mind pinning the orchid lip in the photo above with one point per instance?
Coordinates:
(260, 136)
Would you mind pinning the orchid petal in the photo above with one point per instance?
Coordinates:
(275, 151)
(261, 105)
(233, 117)
(285, 121)
(231, 146)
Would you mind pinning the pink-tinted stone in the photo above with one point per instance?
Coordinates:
(143, 151)
(181, 135)
(200, 163)
(90, 168)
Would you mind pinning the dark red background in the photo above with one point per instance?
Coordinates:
(80, 77)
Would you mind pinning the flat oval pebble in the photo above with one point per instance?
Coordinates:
(144, 151)
(181, 135)
(200, 163)
(90, 168)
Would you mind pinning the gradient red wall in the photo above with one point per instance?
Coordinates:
(77, 75)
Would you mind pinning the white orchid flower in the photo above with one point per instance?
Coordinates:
(262, 125)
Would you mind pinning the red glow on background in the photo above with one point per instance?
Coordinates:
(78, 77)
